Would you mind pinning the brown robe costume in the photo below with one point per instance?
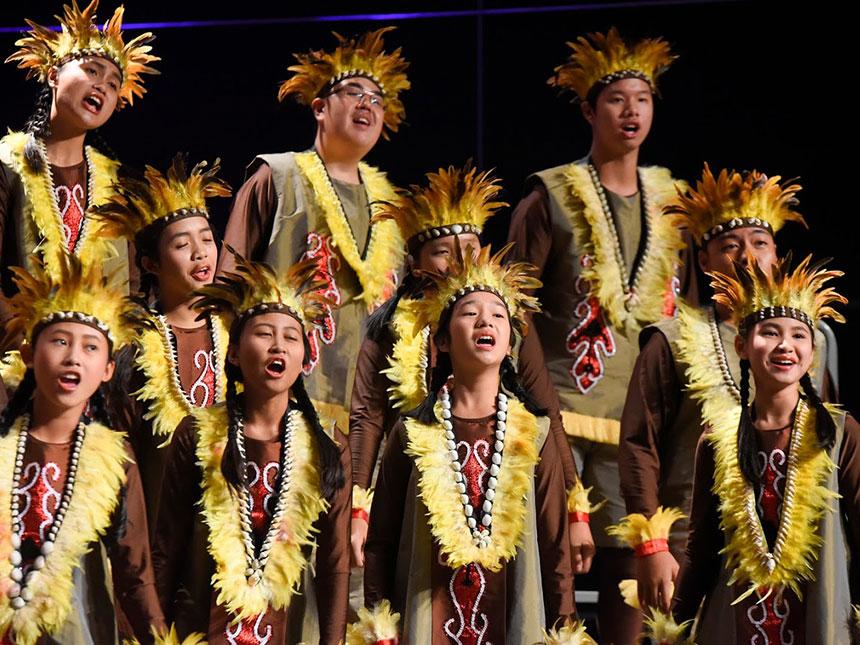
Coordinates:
(184, 567)
(823, 614)
(403, 564)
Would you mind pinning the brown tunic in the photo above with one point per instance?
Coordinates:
(184, 568)
(43, 478)
(195, 363)
(280, 224)
(389, 541)
(371, 416)
(701, 572)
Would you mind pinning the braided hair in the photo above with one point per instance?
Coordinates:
(38, 125)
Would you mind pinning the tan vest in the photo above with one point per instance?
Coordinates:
(572, 331)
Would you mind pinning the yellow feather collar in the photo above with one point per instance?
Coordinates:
(377, 271)
(101, 474)
(807, 499)
(409, 358)
(162, 391)
(438, 490)
(283, 571)
(594, 235)
(41, 206)
(701, 349)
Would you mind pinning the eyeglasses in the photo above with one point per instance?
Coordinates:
(358, 95)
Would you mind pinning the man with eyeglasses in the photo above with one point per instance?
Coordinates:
(320, 203)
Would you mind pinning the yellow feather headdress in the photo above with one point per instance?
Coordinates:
(607, 58)
(512, 282)
(734, 200)
(79, 36)
(756, 295)
(78, 294)
(255, 288)
(455, 201)
(138, 202)
(359, 56)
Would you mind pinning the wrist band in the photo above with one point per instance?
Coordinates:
(360, 514)
(651, 547)
(577, 516)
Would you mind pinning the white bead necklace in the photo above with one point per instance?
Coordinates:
(257, 561)
(19, 592)
(480, 531)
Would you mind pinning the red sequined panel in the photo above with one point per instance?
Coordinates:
(40, 490)
(670, 297)
(590, 339)
(328, 262)
(202, 392)
(772, 488)
(70, 200)
(252, 631)
(770, 619)
(261, 483)
(467, 584)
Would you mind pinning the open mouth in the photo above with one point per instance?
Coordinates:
(486, 342)
(94, 103)
(361, 120)
(69, 381)
(630, 130)
(276, 367)
(202, 274)
(782, 362)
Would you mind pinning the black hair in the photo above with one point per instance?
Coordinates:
(410, 286)
(19, 403)
(39, 126)
(509, 378)
(233, 469)
(748, 446)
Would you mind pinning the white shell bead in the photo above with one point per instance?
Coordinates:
(494, 470)
(490, 494)
(487, 519)
(488, 506)
(497, 458)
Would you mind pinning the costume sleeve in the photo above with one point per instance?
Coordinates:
(250, 223)
(531, 228)
(701, 567)
(131, 563)
(849, 490)
(553, 539)
(649, 411)
(175, 523)
(332, 556)
(537, 381)
(370, 416)
(386, 518)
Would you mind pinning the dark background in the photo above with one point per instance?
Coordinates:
(757, 85)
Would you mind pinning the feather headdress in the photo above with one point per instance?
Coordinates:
(42, 48)
(607, 58)
(734, 200)
(359, 56)
(455, 201)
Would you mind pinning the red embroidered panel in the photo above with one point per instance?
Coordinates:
(328, 262)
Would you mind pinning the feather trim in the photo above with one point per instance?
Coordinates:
(635, 529)
(377, 270)
(596, 239)
(171, 637)
(378, 624)
(12, 369)
(362, 499)
(807, 499)
(663, 630)
(572, 632)
(282, 574)
(629, 589)
(438, 490)
(40, 206)
(578, 502)
(100, 476)
(167, 402)
(409, 358)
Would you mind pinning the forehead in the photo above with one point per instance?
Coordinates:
(74, 330)
(743, 234)
(448, 241)
(627, 86)
(186, 225)
(784, 325)
(481, 299)
(104, 65)
(276, 320)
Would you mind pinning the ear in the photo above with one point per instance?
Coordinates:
(53, 74)
(318, 106)
(109, 370)
(587, 111)
(149, 265)
(741, 347)
(233, 354)
(26, 351)
(704, 260)
(443, 344)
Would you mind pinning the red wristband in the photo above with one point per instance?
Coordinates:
(387, 641)
(577, 516)
(651, 547)
(360, 514)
